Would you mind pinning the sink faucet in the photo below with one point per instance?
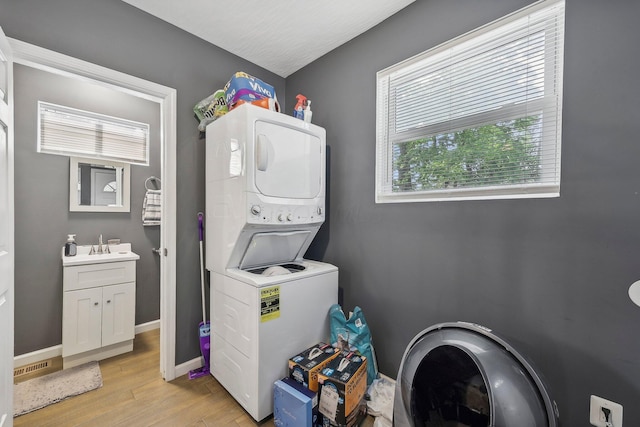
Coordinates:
(100, 249)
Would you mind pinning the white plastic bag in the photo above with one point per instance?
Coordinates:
(380, 404)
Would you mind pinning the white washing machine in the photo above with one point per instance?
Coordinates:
(259, 322)
(265, 194)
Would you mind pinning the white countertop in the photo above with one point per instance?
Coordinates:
(119, 252)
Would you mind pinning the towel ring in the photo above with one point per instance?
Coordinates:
(152, 178)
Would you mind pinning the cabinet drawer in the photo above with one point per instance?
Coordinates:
(92, 275)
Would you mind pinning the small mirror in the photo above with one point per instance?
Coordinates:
(98, 185)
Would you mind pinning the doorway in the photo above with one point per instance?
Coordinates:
(165, 97)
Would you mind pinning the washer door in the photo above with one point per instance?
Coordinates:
(462, 374)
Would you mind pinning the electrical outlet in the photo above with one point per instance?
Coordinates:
(597, 415)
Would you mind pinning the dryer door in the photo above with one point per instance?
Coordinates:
(288, 162)
(462, 374)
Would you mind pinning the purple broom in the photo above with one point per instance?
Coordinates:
(204, 329)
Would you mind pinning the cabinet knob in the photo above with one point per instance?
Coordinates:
(108, 301)
(95, 303)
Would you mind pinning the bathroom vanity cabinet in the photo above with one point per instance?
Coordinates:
(99, 300)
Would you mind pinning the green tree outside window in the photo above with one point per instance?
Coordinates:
(504, 153)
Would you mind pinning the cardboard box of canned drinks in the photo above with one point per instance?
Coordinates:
(343, 383)
(304, 367)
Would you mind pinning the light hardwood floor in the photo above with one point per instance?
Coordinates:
(134, 394)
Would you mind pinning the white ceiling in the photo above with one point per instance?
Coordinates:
(281, 36)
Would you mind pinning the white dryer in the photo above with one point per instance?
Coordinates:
(265, 173)
(265, 194)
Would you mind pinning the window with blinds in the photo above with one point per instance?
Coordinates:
(71, 132)
(478, 117)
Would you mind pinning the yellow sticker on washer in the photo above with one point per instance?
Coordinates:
(269, 303)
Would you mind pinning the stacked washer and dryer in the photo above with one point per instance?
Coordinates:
(265, 201)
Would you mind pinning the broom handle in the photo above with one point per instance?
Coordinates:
(201, 236)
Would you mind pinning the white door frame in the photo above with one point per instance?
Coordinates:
(54, 62)
(6, 242)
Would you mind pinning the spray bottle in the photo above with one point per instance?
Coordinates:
(298, 110)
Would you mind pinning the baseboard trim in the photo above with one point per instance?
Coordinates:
(149, 326)
(37, 356)
(187, 366)
(56, 350)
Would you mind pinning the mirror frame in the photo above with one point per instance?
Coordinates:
(74, 203)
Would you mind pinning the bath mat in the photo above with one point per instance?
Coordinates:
(43, 391)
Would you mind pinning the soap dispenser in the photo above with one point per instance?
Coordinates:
(307, 112)
(70, 248)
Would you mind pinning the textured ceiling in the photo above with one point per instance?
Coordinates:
(281, 36)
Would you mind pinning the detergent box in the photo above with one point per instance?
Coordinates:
(305, 366)
(243, 86)
(294, 405)
(342, 383)
(354, 419)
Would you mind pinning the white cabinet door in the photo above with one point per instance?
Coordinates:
(99, 310)
(6, 234)
(82, 319)
(118, 313)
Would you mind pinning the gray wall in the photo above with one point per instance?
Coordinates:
(550, 275)
(42, 206)
(116, 35)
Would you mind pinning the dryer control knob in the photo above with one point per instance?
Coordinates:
(289, 217)
(281, 217)
(255, 209)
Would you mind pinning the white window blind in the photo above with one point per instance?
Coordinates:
(72, 132)
(476, 117)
